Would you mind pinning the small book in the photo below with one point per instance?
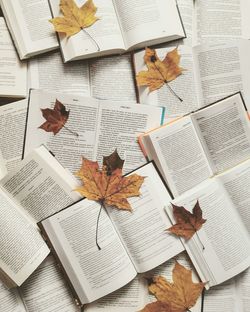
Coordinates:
(130, 242)
(13, 73)
(37, 188)
(94, 128)
(122, 25)
(201, 144)
(29, 27)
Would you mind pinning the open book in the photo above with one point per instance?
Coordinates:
(195, 147)
(37, 188)
(13, 73)
(94, 128)
(131, 242)
(222, 249)
(29, 26)
(212, 72)
(122, 25)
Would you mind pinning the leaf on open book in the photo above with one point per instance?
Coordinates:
(179, 296)
(108, 186)
(74, 18)
(112, 162)
(159, 72)
(187, 223)
(55, 118)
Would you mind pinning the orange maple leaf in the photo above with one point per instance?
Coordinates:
(179, 296)
(55, 118)
(108, 187)
(187, 223)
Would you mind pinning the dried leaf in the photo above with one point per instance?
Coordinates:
(187, 223)
(74, 18)
(157, 306)
(55, 118)
(112, 162)
(179, 296)
(109, 189)
(159, 72)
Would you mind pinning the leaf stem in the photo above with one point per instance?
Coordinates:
(88, 34)
(97, 227)
(72, 132)
(202, 299)
(203, 247)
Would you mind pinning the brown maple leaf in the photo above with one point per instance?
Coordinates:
(55, 118)
(159, 72)
(187, 223)
(74, 18)
(108, 188)
(112, 162)
(179, 296)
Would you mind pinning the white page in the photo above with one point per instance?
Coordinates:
(93, 273)
(13, 73)
(3, 169)
(10, 300)
(222, 20)
(12, 127)
(19, 260)
(106, 32)
(119, 125)
(186, 8)
(184, 85)
(143, 230)
(152, 21)
(180, 154)
(112, 78)
(67, 147)
(48, 72)
(46, 290)
(224, 131)
(223, 69)
(40, 185)
(237, 183)
(28, 22)
(242, 286)
(216, 257)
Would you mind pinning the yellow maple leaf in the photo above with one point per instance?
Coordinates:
(159, 72)
(179, 296)
(111, 189)
(74, 18)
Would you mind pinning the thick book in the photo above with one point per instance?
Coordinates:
(29, 26)
(195, 147)
(122, 25)
(13, 73)
(37, 188)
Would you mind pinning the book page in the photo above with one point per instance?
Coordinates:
(224, 132)
(119, 125)
(112, 78)
(223, 69)
(13, 73)
(28, 22)
(13, 118)
(152, 21)
(237, 183)
(186, 8)
(48, 72)
(68, 145)
(215, 18)
(40, 185)
(216, 257)
(129, 298)
(46, 290)
(3, 169)
(143, 230)
(243, 285)
(177, 148)
(184, 85)
(103, 35)
(10, 300)
(93, 273)
(18, 261)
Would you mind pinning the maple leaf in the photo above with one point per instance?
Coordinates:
(179, 296)
(55, 118)
(187, 223)
(159, 72)
(74, 18)
(112, 162)
(109, 189)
